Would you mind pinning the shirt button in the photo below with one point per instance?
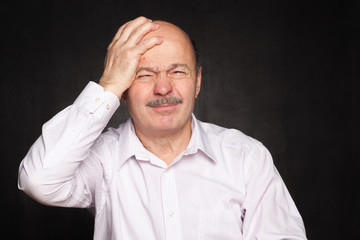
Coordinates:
(171, 214)
(107, 106)
(167, 170)
(97, 100)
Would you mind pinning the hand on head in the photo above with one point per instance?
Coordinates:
(124, 54)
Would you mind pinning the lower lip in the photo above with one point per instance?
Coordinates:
(165, 108)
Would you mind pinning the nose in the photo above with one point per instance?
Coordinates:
(163, 85)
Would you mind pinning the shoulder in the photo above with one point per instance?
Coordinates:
(241, 155)
(228, 137)
(232, 146)
(107, 144)
(112, 135)
(106, 149)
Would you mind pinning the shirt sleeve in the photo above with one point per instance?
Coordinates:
(269, 211)
(53, 171)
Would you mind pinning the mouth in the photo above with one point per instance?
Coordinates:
(165, 107)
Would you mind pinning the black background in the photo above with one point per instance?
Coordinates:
(283, 72)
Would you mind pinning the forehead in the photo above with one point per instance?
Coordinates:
(176, 47)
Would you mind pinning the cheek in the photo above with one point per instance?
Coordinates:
(135, 99)
(186, 89)
(138, 92)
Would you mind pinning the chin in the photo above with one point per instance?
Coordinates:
(165, 123)
(168, 123)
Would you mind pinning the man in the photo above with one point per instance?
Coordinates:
(163, 174)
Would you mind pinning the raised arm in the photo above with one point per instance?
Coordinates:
(53, 171)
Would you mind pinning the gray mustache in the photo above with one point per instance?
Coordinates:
(163, 101)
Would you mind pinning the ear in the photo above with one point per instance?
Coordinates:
(198, 82)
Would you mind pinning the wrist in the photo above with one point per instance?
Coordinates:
(112, 87)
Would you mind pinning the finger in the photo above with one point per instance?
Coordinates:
(136, 36)
(149, 43)
(117, 35)
(131, 26)
(132, 23)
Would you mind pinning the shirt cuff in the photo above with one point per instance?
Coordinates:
(94, 100)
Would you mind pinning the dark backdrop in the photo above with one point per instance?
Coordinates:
(281, 71)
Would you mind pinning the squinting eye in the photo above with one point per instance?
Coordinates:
(144, 76)
(178, 74)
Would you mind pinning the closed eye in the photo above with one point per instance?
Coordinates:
(144, 75)
(178, 74)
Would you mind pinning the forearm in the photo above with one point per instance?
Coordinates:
(50, 167)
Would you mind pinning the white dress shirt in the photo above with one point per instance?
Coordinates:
(223, 186)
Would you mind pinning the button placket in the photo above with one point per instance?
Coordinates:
(170, 209)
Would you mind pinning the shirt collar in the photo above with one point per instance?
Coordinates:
(130, 145)
(200, 140)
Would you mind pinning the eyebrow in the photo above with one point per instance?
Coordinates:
(175, 65)
(172, 66)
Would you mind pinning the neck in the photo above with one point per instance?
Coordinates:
(166, 145)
